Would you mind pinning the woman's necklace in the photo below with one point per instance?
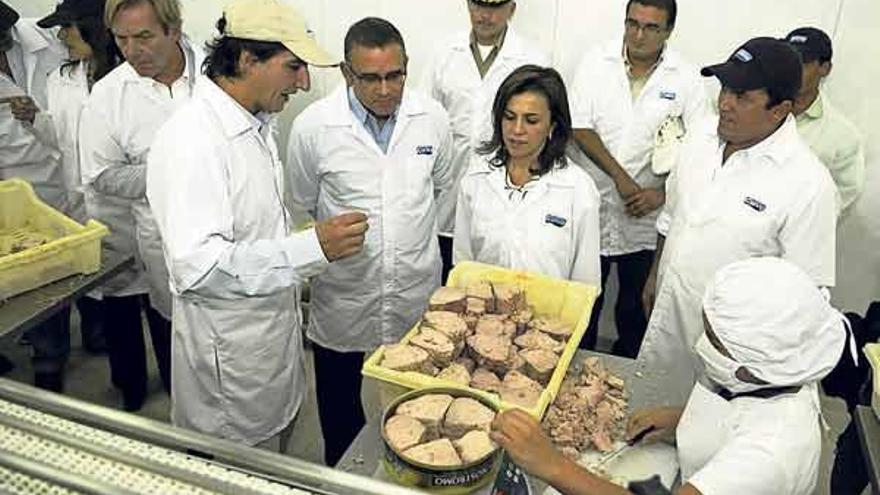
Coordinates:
(518, 191)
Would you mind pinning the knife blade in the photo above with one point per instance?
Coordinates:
(626, 446)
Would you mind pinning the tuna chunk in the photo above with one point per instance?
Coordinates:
(448, 299)
(516, 361)
(466, 414)
(437, 345)
(439, 453)
(482, 290)
(534, 339)
(539, 364)
(403, 357)
(473, 446)
(557, 329)
(429, 409)
(508, 298)
(476, 306)
(521, 390)
(483, 379)
(457, 373)
(468, 363)
(522, 318)
(490, 351)
(496, 325)
(404, 432)
(449, 323)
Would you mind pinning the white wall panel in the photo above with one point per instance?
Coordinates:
(707, 31)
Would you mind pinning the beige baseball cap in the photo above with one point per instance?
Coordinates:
(274, 20)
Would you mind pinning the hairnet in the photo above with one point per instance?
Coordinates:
(774, 320)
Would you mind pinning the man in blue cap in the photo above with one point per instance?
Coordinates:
(746, 185)
(832, 137)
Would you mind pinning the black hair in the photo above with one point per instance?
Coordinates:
(777, 94)
(223, 53)
(545, 81)
(372, 32)
(105, 54)
(668, 5)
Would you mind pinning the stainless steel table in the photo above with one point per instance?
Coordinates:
(363, 456)
(25, 311)
(869, 436)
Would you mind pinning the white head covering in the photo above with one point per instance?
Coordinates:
(773, 320)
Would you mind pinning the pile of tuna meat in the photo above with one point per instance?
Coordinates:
(487, 337)
(441, 431)
(589, 412)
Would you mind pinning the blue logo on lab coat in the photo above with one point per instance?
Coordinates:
(554, 220)
(667, 95)
(754, 204)
(425, 150)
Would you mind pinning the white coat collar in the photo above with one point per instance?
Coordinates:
(343, 116)
(513, 47)
(233, 118)
(556, 178)
(776, 147)
(612, 51)
(193, 58)
(29, 37)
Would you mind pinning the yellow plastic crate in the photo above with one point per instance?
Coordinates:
(571, 302)
(71, 249)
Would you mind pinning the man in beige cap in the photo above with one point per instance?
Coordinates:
(215, 184)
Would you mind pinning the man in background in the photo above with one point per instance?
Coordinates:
(464, 75)
(832, 137)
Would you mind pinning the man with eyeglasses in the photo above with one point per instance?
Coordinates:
(625, 98)
(372, 146)
(465, 73)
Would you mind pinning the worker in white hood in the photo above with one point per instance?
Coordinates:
(751, 424)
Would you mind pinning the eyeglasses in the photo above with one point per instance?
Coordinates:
(370, 79)
(635, 26)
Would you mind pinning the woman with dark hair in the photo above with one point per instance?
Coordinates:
(522, 204)
(91, 55)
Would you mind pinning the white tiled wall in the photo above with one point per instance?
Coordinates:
(707, 31)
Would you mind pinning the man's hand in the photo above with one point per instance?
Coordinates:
(343, 235)
(23, 108)
(626, 186)
(663, 419)
(644, 201)
(522, 437)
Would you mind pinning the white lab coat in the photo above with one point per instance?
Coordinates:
(601, 101)
(58, 127)
(750, 445)
(35, 53)
(525, 234)
(215, 184)
(773, 199)
(335, 165)
(118, 123)
(455, 82)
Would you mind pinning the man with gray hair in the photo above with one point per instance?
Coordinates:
(123, 113)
